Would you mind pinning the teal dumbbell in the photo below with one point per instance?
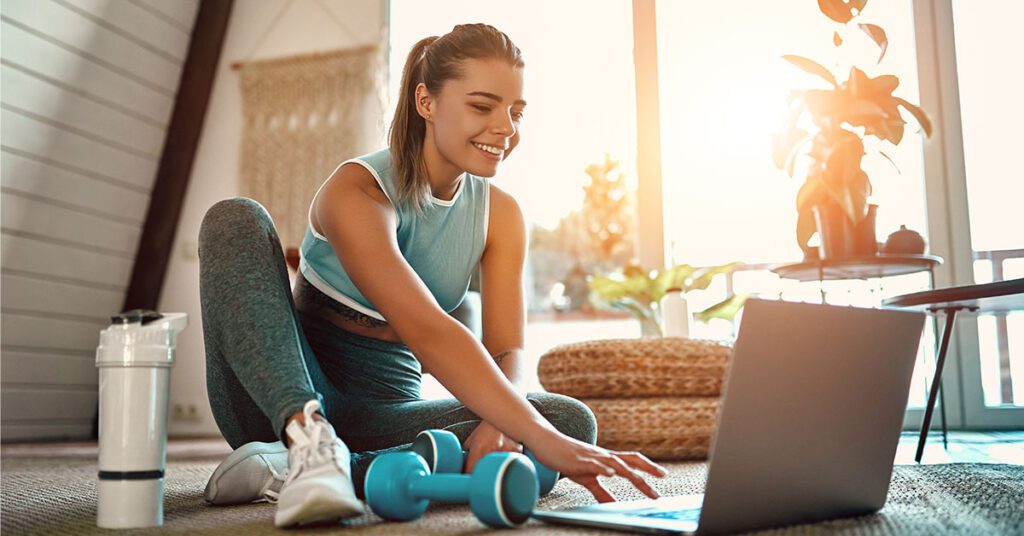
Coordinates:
(443, 453)
(502, 491)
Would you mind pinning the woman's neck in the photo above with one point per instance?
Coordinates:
(443, 176)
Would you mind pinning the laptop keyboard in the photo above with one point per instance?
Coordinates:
(690, 514)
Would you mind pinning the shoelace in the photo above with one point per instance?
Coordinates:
(271, 496)
(316, 452)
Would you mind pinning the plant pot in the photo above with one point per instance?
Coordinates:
(840, 238)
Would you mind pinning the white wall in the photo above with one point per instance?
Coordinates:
(302, 27)
(88, 89)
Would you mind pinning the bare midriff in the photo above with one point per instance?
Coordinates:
(311, 301)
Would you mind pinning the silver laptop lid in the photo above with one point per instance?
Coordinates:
(812, 409)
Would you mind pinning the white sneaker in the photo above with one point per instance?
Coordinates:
(254, 472)
(319, 483)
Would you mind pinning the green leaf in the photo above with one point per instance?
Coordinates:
(919, 115)
(837, 10)
(675, 276)
(794, 153)
(843, 178)
(805, 227)
(785, 145)
(703, 281)
(726, 309)
(811, 193)
(862, 109)
(877, 34)
(812, 67)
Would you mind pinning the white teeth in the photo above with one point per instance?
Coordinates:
(487, 148)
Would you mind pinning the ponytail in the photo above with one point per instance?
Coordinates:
(407, 133)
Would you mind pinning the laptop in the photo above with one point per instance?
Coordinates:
(811, 413)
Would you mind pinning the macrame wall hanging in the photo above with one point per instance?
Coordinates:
(302, 116)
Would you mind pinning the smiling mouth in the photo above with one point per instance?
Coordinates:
(488, 150)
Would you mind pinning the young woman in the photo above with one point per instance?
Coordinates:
(393, 239)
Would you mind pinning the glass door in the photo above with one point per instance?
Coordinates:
(990, 113)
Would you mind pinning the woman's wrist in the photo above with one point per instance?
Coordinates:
(539, 432)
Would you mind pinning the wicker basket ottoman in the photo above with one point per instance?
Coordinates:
(658, 396)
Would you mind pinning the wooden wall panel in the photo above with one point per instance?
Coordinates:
(89, 87)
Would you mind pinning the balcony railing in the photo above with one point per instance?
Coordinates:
(991, 266)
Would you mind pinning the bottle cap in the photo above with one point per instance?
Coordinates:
(144, 316)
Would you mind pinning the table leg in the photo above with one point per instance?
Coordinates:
(942, 417)
(936, 383)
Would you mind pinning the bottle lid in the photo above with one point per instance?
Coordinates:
(143, 316)
(140, 338)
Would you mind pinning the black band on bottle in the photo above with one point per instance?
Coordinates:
(131, 475)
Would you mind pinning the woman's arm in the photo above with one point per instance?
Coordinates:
(371, 257)
(369, 252)
(504, 312)
(501, 287)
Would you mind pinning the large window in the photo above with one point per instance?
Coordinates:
(723, 94)
(991, 112)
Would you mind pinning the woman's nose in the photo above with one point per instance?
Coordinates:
(506, 126)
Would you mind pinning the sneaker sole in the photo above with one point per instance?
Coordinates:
(319, 506)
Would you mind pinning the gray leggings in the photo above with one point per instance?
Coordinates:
(265, 359)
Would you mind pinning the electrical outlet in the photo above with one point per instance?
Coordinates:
(185, 413)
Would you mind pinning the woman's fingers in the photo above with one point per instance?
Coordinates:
(596, 489)
(595, 467)
(624, 470)
(643, 463)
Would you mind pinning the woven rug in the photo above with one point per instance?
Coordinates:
(58, 496)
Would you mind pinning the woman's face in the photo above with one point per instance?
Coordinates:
(475, 120)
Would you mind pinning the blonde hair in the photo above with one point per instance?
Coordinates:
(433, 61)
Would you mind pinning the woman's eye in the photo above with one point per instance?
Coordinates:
(518, 116)
(482, 108)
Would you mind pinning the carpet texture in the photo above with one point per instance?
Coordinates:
(58, 497)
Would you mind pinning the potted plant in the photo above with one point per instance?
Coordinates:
(638, 291)
(833, 199)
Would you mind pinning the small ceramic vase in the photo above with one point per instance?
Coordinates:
(904, 241)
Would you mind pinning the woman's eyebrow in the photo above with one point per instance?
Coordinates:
(492, 96)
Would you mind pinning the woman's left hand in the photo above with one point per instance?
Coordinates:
(484, 440)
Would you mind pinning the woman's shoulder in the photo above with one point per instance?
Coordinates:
(504, 209)
(379, 161)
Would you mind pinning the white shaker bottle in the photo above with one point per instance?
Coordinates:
(134, 356)
(675, 315)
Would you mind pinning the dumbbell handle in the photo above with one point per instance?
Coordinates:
(440, 487)
(465, 456)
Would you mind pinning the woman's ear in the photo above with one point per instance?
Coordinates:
(424, 102)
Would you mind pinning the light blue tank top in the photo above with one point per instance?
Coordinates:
(443, 245)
